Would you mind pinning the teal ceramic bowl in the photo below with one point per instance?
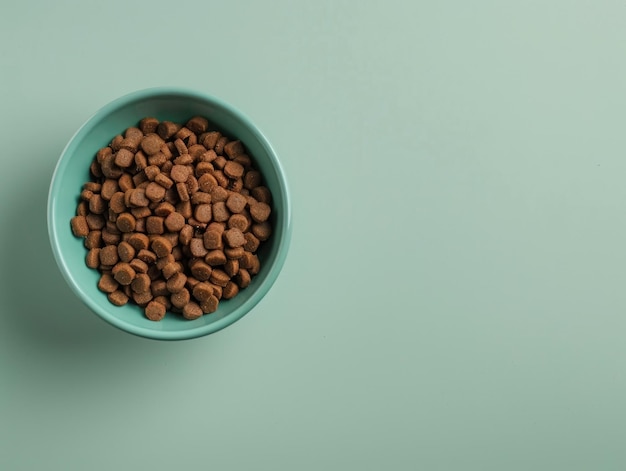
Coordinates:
(72, 171)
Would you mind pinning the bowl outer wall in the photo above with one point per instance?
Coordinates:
(72, 170)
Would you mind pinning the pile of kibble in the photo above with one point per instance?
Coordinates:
(173, 217)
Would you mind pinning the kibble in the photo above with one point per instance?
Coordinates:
(173, 217)
(155, 311)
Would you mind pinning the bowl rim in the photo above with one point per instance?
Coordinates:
(284, 234)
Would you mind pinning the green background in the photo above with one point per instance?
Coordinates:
(454, 294)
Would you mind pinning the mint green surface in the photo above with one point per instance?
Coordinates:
(453, 297)
(72, 170)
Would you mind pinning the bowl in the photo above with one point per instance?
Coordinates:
(72, 171)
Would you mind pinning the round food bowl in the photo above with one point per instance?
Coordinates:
(72, 171)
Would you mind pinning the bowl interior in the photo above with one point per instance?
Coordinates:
(73, 170)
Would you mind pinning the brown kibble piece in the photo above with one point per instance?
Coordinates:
(203, 212)
(244, 160)
(154, 225)
(151, 172)
(207, 182)
(137, 198)
(254, 265)
(123, 273)
(176, 282)
(82, 209)
(192, 184)
(126, 222)
(155, 192)
(252, 243)
(164, 181)
(235, 184)
(179, 173)
(124, 158)
(141, 283)
(109, 188)
(155, 311)
(260, 212)
(219, 277)
(96, 204)
(209, 139)
(208, 156)
(103, 153)
(80, 228)
(234, 253)
(210, 305)
(262, 230)
(234, 238)
(161, 246)
(93, 258)
(230, 290)
(246, 260)
(233, 169)
(142, 299)
(181, 298)
(202, 291)
(252, 179)
(174, 222)
(108, 255)
(139, 241)
(231, 267)
(107, 284)
(170, 270)
(139, 265)
(164, 299)
(236, 202)
(184, 208)
(201, 271)
(197, 124)
(219, 194)
(141, 161)
(151, 144)
(117, 202)
(238, 221)
(203, 168)
(196, 246)
(185, 235)
(163, 261)
(184, 133)
(181, 147)
(148, 125)
(167, 129)
(219, 145)
(219, 162)
(222, 180)
(147, 256)
(243, 278)
(212, 239)
(118, 298)
(200, 197)
(217, 290)
(141, 213)
(220, 212)
(261, 194)
(164, 209)
(183, 192)
(125, 251)
(192, 311)
(191, 282)
(159, 288)
(233, 149)
(109, 237)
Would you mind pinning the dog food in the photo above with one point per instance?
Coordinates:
(173, 218)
